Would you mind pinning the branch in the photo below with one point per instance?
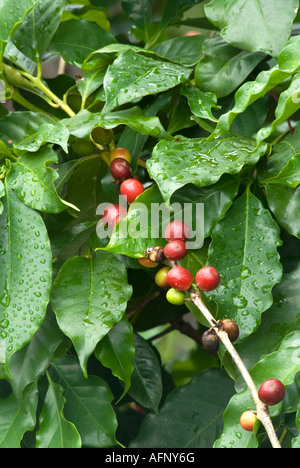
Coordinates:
(262, 409)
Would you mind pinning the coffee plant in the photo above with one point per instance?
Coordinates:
(153, 108)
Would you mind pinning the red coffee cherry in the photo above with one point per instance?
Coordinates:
(175, 250)
(120, 169)
(247, 420)
(271, 392)
(130, 189)
(180, 278)
(177, 230)
(112, 215)
(207, 278)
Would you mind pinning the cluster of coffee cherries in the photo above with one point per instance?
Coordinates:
(271, 392)
(130, 186)
(176, 278)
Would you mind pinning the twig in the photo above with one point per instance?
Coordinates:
(184, 328)
(262, 409)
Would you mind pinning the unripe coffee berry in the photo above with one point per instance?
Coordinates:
(231, 328)
(130, 189)
(175, 250)
(210, 342)
(147, 263)
(112, 215)
(120, 169)
(122, 153)
(247, 420)
(102, 136)
(175, 297)
(177, 230)
(207, 278)
(161, 277)
(271, 392)
(180, 278)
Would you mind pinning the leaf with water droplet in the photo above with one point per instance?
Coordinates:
(80, 300)
(20, 272)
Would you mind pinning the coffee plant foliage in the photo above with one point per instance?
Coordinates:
(210, 118)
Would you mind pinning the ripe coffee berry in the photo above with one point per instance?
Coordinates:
(112, 215)
(271, 392)
(177, 230)
(207, 278)
(247, 420)
(210, 342)
(175, 297)
(120, 169)
(180, 278)
(161, 277)
(231, 328)
(122, 153)
(130, 189)
(175, 250)
(147, 263)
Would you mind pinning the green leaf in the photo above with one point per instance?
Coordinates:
(33, 181)
(76, 39)
(223, 68)
(133, 76)
(2, 193)
(54, 430)
(284, 202)
(89, 297)
(201, 103)
(175, 8)
(116, 351)
(14, 421)
(46, 133)
(191, 416)
(283, 365)
(88, 403)
(289, 175)
(146, 381)
(176, 163)
(296, 440)
(82, 124)
(244, 251)
(272, 22)
(139, 12)
(25, 275)
(17, 126)
(12, 13)
(186, 51)
(288, 64)
(34, 35)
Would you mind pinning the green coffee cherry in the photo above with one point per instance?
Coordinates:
(175, 297)
(101, 136)
(83, 146)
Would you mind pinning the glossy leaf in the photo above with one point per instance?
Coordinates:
(244, 251)
(188, 414)
(14, 421)
(54, 430)
(284, 202)
(283, 365)
(139, 12)
(133, 76)
(176, 163)
(33, 181)
(272, 22)
(88, 403)
(18, 126)
(56, 134)
(34, 35)
(186, 51)
(116, 351)
(175, 8)
(201, 103)
(89, 297)
(12, 14)
(289, 175)
(25, 275)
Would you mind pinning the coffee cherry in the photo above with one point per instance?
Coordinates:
(210, 342)
(177, 230)
(247, 420)
(271, 392)
(83, 146)
(175, 297)
(207, 278)
(175, 250)
(155, 254)
(161, 277)
(231, 328)
(102, 136)
(180, 278)
(120, 169)
(147, 263)
(122, 153)
(112, 215)
(130, 189)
